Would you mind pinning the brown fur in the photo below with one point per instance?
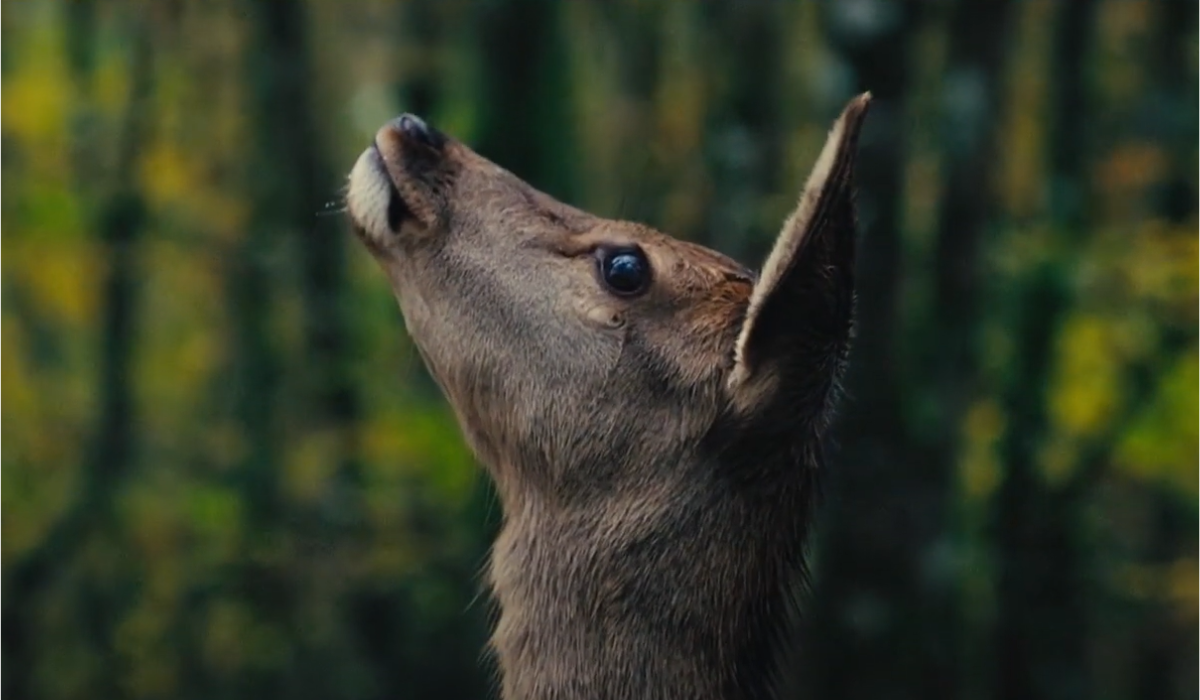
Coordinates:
(656, 456)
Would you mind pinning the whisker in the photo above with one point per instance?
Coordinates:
(333, 207)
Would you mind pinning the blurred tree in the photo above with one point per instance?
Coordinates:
(747, 143)
(524, 117)
(423, 36)
(286, 177)
(948, 340)
(868, 600)
(119, 222)
(1041, 626)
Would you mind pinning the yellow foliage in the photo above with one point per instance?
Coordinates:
(1160, 266)
(1163, 443)
(224, 443)
(1023, 249)
(311, 459)
(1057, 458)
(1118, 20)
(224, 641)
(384, 439)
(1129, 168)
(110, 83)
(61, 278)
(923, 190)
(1175, 584)
(979, 467)
(390, 560)
(20, 391)
(1122, 30)
(152, 520)
(166, 176)
(142, 640)
(1183, 585)
(180, 343)
(47, 407)
(215, 517)
(1086, 388)
(679, 107)
(1023, 134)
(37, 97)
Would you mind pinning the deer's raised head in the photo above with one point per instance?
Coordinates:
(651, 410)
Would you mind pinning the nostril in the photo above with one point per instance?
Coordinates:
(415, 128)
(412, 124)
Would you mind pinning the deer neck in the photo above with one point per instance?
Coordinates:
(677, 589)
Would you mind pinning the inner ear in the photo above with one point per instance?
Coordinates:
(797, 324)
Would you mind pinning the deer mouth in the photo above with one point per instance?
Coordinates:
(390, 182)
(373, 202)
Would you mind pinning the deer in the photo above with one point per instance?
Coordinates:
(651, 412)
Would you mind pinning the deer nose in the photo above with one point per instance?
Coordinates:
(411, 128)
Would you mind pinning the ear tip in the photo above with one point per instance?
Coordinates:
(853, 116)
(858, 106)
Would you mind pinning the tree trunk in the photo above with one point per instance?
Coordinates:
(868, 575)
(419, 91)
(1041, 632)
(283, 183)
(947, 356)
(745, 154)
(526, 124)
(120, 222)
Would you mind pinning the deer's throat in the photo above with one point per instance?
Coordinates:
(667, 605)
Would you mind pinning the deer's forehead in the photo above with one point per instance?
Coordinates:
(695, 270)
(704, 292)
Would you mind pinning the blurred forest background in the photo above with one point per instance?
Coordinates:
(226, 474)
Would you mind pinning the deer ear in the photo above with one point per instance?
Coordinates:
(796, 332)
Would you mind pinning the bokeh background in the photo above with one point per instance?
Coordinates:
(227, 475)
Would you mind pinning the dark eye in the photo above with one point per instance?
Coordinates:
(625, 271)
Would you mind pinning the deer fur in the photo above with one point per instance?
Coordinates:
(656, 456)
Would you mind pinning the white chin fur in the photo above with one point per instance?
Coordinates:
(368, 194)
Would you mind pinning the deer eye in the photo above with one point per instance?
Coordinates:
(625, 271)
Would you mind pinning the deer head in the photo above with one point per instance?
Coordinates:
(650, 410)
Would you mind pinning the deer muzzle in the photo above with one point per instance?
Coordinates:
(401, 178)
